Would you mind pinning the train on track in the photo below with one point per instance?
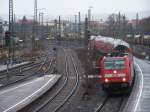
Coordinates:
(114, 60)
(139, 40)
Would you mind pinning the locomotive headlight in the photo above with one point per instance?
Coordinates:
(124, 79)
(106, 80)
(114, 71)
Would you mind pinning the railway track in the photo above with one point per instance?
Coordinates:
(99, 108)
(64, 93)
(25, 72)
(31, 64)
(111, 104)
(20, 69)
(54, 100)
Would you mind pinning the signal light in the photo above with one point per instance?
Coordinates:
(7, 38)
(88, 34)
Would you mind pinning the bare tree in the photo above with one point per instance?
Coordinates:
(117, 25)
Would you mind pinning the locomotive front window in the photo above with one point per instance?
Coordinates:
(114, 64)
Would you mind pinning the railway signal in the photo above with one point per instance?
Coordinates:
(7, 38)
(88, 34)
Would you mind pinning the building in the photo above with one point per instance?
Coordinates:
(101, 25)
(3, 28)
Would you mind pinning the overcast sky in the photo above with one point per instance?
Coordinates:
(69, 7)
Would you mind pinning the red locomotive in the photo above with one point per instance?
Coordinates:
(117, 72)
(115, 61)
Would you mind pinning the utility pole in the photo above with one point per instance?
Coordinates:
(70, 25)
(39, 23)
(42, 24)
(119, 25)
(14, 18)
(89, 18)
(79, 26)
(42, 18)
(40, 14)
(86, 32)
(35, 10)
(10, 28)
(34, 24)
(75, 26)
(11, 16)
(89, 14)
(137, 23)
(55, 28)
(13, 35)
(41, 30)
(124, 25)
(59, 28)
(47, 29)
(39, 18)
(86, 37)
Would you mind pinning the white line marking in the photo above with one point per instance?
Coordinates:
(141, 89)
(5, 91)
(28, 96)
